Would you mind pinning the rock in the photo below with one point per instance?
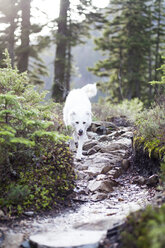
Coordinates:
(125, 142)
(29, 213)
(25, 244)
(104, 138)
(92, 135)
(101, 168)
(12, 240)
(139, 180)
(81, 175)
(98, 197)
(113, 147)
(152, 180)
(101, 130)
(105, 186)
(91, 151)
(125, 164)
(2, 214)
(116, 172)
(103, 127)
(89, 144)
(127, 135)
(70, 239)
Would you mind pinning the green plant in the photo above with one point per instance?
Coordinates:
(32, 151)
(151, 130)
(129, 109)
(145, 228)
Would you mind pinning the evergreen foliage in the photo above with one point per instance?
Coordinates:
(151, 122)
(35, 162)
(17, 27)
(70, 33)
(132, 38)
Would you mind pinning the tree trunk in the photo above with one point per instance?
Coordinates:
(157, 41)
(69, 58)
(157, 46)
(23, 54)
(59, 86)
(12, 27)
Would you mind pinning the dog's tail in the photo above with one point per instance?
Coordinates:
(90, 90)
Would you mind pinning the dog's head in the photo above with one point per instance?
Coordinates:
(80, 121)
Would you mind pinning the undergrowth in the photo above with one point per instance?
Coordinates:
(106, 111)
(145, 228)
(35, 161)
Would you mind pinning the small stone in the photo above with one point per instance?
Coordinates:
(152, 180)
(125, 164)
(104, 138)
(106, 168)
(105, 186)
(139, 180)
(2, 214)
(98, 197)
(91, 151)
(89, 144)
(116, 172)
(25, 244)
(92, 135)
(101, 130)
(99, 168)
(29, 213)
(97, 148)
(127, 135)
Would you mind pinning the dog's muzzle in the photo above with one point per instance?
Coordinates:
(80, 132)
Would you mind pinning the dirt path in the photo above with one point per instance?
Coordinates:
(105, 190)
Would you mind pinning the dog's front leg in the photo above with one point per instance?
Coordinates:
(80, 146)
(72, 145)
(73, 141)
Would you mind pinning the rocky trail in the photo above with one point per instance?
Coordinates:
(107, 189)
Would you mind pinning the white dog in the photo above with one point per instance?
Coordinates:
(77, 114)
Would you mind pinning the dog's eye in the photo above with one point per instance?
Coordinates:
(77, 122)
(84, 122)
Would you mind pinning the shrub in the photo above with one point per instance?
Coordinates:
(151, 130)
(145, 228)
(151, 122)
(128, 109)
(34, 157)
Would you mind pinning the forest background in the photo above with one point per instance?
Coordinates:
(120, 46)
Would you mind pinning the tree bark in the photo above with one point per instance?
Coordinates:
(23, 54)
(11, 35)
(59, 87)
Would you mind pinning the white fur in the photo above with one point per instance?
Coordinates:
(77, 113)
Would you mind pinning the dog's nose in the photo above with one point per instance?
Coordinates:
(80, 132)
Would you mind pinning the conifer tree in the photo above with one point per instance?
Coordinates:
(127, 41)
(9, 16)
(69, 34)
(58, 90)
